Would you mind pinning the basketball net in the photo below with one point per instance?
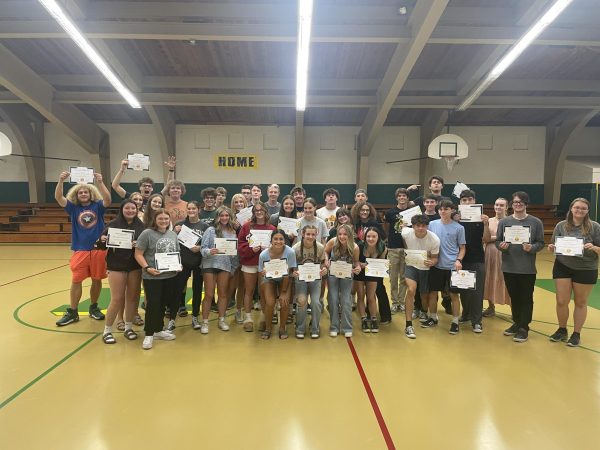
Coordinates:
(450, 161)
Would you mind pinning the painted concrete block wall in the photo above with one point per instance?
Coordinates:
(330, 155)
(577, 173)
(393, 144)
(12, 168)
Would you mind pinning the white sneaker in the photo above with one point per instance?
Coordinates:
(409, 332)
(348, 334)
(164, 335)
(333, 333)
(170, 326)
(147, 343)
(256, 306)
(223, 325)
(239, 317)
(204, 328)
(195, 323)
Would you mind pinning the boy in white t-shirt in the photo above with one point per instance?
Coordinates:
(418, 238)
(327, 212)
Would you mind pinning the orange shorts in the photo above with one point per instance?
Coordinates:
(88, 264)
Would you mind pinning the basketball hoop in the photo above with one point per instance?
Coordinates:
(450, 162)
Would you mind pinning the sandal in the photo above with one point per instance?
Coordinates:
(131, 335)
(266, 334)
(138, 320)
(108, 338)
(121, 325)
(283, 334)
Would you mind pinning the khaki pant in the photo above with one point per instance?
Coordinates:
(397, 281)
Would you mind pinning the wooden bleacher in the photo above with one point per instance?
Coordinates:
(38, 223)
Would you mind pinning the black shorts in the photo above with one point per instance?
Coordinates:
(439, 281)
(212, 270)
(559, 270)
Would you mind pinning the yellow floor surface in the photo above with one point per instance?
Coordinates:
(63, 388)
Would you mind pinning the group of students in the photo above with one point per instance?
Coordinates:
(504, 272)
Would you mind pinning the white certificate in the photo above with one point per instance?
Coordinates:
(188, 237)
(458, 188)
(462, 279)
(416, 258)
(517, 234)
(340, 269)
(276, 268)
(470, 213)
(82, 175)
(408, 214)
(569, 246)
(289, 225)
(226, 246)
(119, 238)
(138, 161)
(244, 215)
(260, 238)
(309, 272)
(168, 262)
(378, 268)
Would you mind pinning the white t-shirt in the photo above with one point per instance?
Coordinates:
(328, 215)
(430, 243)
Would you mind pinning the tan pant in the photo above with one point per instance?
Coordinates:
(397, 281)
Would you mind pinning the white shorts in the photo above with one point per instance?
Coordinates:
(250, 269)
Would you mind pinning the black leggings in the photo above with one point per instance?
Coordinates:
(182, 279)
(520, 287)
(158, 294)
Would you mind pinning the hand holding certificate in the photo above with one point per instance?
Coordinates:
(226, 247)
(81, 175)
(168, 262)
(289, 225)
(568, 246)
(276, 268)
(416, 258)
(340, 269)
(462, 279)
(379, 268)
(260, 238)
(517, 234)
(470, 213)
(408, 214)
(309, 272)
(188, 237)
(458, 188)
(119, 238)
(244, 215)
(138, 162)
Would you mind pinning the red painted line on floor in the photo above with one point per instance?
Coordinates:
(34, 275)
(380, 420)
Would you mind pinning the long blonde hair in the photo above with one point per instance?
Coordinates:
(93, 190)
(586, 226)
(217, 223)
(348, 249)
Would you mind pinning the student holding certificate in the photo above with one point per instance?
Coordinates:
(575, 270)
(249, 258)
(276, 287)
(309, 218)
(288, 211)
(238, 202)
(518, 263)
(124, 273)
(160, 287)
(341, 251)
(85, 204)
(372, 247)
(191, 261)
(217, 270)
(309, 254)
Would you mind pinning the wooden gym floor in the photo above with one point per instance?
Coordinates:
(63, 388)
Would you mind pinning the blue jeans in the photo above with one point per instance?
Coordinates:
(303, 290)
(339, 294)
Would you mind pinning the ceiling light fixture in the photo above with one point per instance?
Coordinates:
(305, 10)
(69, 26)
(519, 47)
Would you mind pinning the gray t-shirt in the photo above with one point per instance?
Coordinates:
(273, 209)
(515, 259)
(152, 242)
(589, 260)
(322, 231)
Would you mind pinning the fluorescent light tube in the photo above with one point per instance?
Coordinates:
(519, 47)
(305, 9)
(67, 24)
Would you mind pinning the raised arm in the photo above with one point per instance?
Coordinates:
(106, 199)
(116, 182)
(58, 192)
(170, 164)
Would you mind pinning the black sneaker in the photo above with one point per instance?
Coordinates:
(574, 340)
(512, 330)
(70, 316)
(365, 325)
(374, 326)
(521, 335)
(560, 335)
(430, 322)
(447, 304)
(453, 328)
(182, 312)
(95, 312)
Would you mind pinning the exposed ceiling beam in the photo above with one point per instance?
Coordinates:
(32, 89)
(423, 20)
(349, 33)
